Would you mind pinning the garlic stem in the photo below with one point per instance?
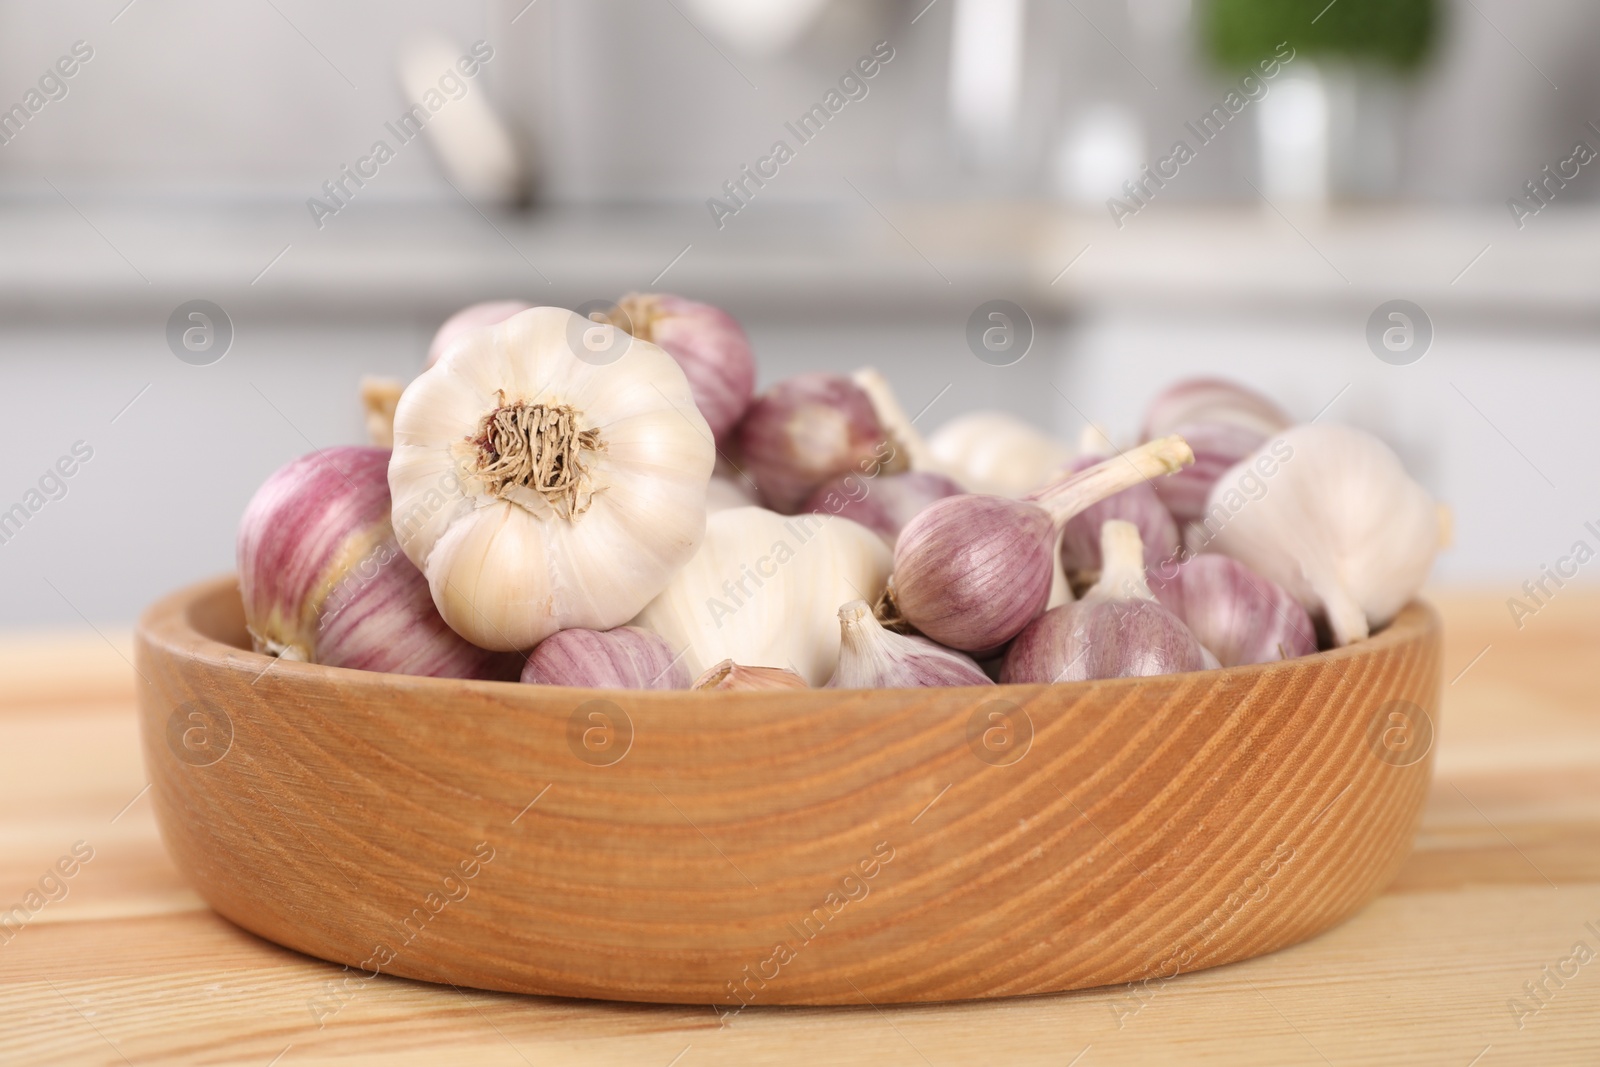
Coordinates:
(1068, 496)
(1122, 574)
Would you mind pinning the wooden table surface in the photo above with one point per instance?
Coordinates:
(1485, 951)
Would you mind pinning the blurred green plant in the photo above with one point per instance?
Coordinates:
(1398, 33)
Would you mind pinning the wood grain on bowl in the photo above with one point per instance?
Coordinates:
(791, 847)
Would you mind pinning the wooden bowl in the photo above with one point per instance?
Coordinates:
(794, 847)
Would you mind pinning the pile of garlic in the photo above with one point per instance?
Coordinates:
(603, 502)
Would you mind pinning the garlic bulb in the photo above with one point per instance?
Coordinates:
(1329, 513)
(378, 399)
(624, 658)
(996, 453)
(539, 491)
(489, 313)
(764, 589)
(729, 675)
(1212, 400)
(1138, 504)
(809, 429)
(323, 580)
(1118, 629)
(1236, 614)
(871, 657)
(971, 571)
(708, 343)
(883, 504)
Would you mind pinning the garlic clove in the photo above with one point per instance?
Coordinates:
(1118, 629)
(1236, 614)
(324, 581)
(624, 658)
(764, 588)
(539, 491)
(708, 343)
(971, 571)
(488, 313)
(809, 429)
(1212, 400)
(729, 675)
(871, 657)
(883, 504)
(1329, 513)
(996, 453)
(1138, 504)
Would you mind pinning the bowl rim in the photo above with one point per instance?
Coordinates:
(168, 624)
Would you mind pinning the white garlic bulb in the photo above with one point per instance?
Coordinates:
(538, 490)
(1329, 513)
(764, 590)
(995, 453)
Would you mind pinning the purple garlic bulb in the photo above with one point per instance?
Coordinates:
(1237, 614)
(808, 430)
(707, 342)
(1118, 629)
(324, 581)
(971, 571)
(883, 504)
(624, 658)
(871, 657)
(1138, 504)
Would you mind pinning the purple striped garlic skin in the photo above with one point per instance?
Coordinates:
(1212, 400)
(1109, 638)
(883, 504)
(1241, 616)
(1218, 446)
(624, 658)
(707, 342)
(808, 430)
(1139, 504)
(871, 657)
(488, 313)
(971, 571)
(324, 581)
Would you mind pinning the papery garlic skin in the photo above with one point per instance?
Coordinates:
(1198, 400)
(725, 493)
(970, 571)
(1337, 522)
(883, 504)
(764, 588)
(996, 453)
(1238, 615)
(1118, 629)
(708, 343)
(1217, 447)
(871, 657)
(1138, 504)
(523, 533)
(379, 396)
(488, 313)
(323, 580)
(729, 676)
(624, 658)
(809, 429)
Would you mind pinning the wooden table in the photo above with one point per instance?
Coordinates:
(129, 966)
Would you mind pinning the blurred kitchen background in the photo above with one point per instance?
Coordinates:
(176, 161)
